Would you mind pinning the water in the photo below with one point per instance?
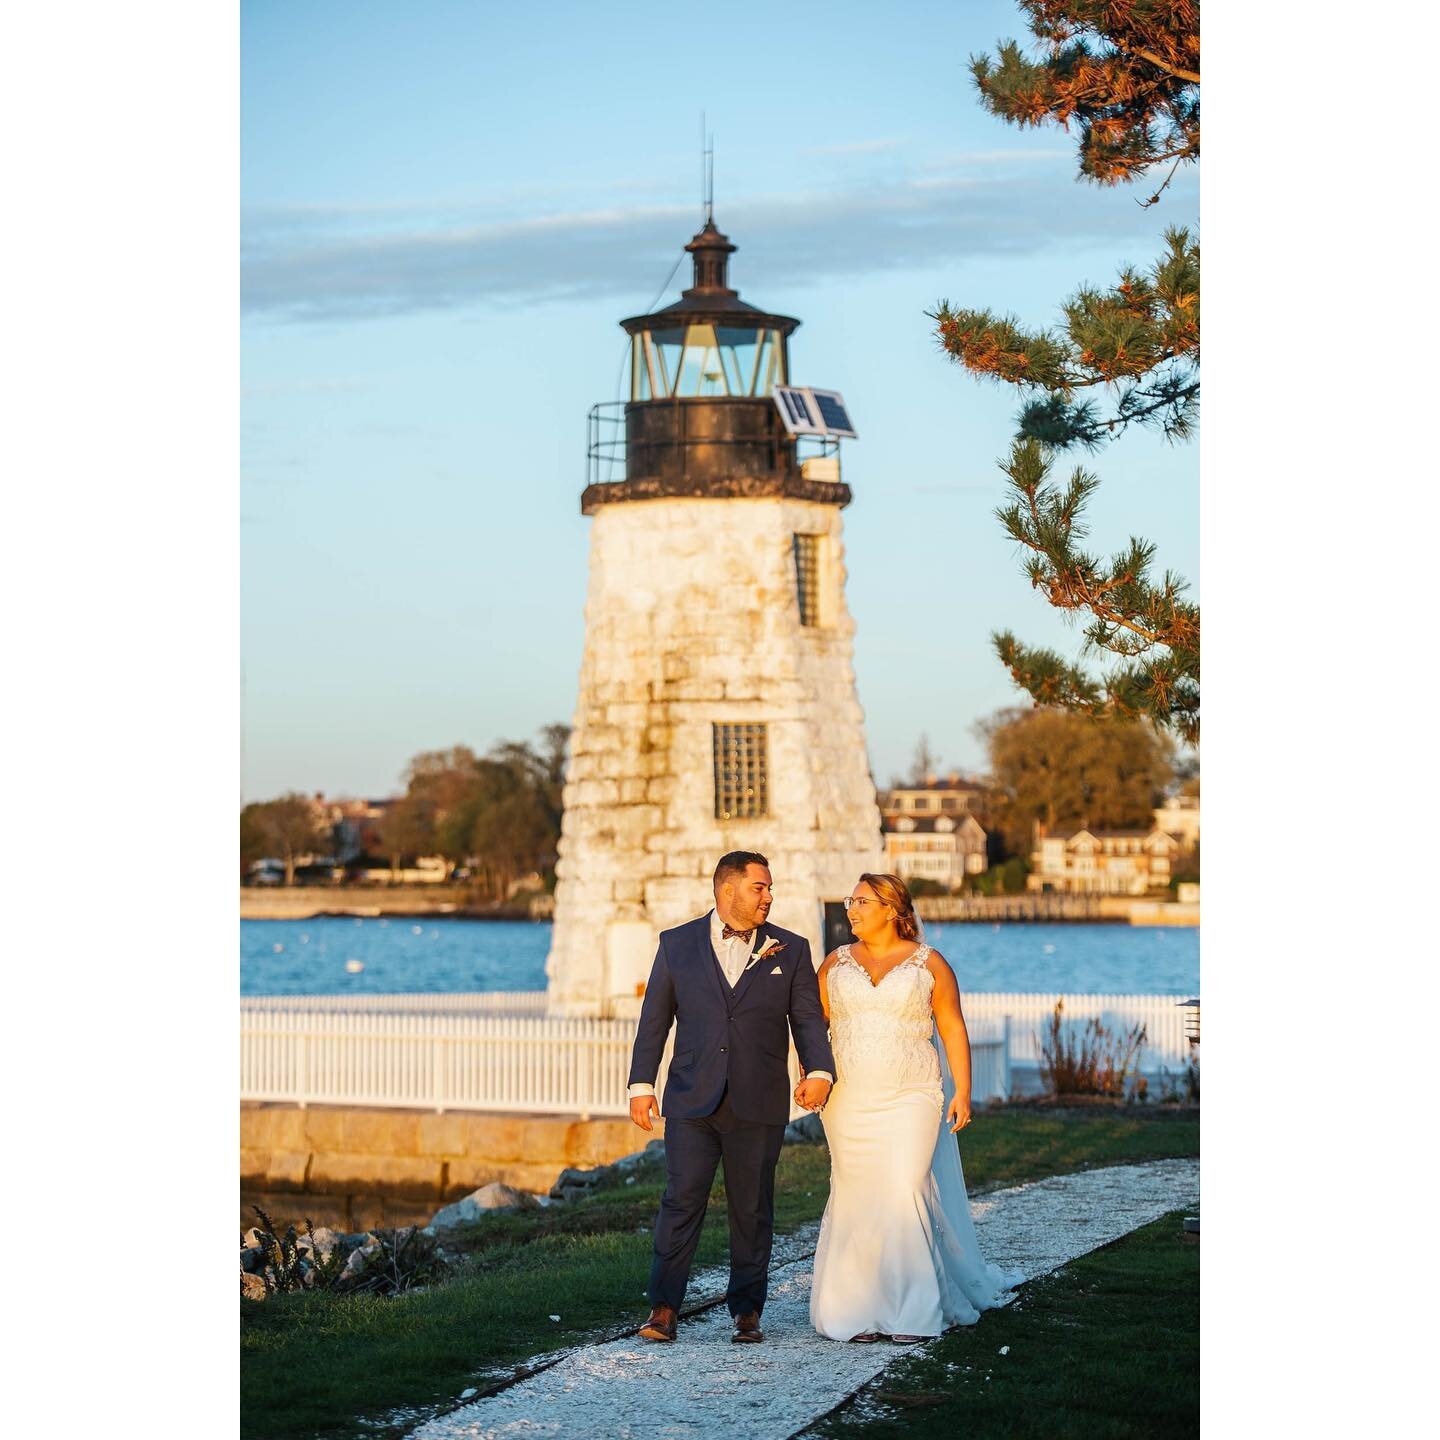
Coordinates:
(1077, 959)
(292, 957)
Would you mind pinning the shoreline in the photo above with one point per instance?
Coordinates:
(448, 902)
(442, 902)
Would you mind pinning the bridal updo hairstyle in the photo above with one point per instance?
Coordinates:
(892, 890)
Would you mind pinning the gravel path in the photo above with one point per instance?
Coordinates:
(702, 1385)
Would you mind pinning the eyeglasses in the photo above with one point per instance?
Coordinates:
(852, 902)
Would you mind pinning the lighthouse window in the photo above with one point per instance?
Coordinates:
(807, 577)
(702, 359)
(740, 772)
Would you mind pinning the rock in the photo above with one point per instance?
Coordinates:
(655, 1147)
(577, 1181)
(252, 1260)
(252, 1287)
(323, 1245)
(366, 1254)
(804, 1130)
(479, 1203)
(629, 1162)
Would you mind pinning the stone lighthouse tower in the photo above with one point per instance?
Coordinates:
(717, 707)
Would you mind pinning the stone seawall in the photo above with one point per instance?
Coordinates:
(354, 1167)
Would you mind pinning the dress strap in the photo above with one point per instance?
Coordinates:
(921, 955)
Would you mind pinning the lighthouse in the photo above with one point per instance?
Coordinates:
(717, 707)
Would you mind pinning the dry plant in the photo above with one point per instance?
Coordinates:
(1093, 1061)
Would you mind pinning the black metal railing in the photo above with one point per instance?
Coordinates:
(684, 446)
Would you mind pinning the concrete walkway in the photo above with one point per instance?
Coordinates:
(704, 1386)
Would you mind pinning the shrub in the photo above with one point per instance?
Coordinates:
(1096, 1062)
(923, 885)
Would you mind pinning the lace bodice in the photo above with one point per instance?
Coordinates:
(883, 1031)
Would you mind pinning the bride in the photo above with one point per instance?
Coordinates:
(897, 1254)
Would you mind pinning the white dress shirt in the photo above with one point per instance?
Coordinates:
(733, 955)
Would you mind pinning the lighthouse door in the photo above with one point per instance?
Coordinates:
(837, 926)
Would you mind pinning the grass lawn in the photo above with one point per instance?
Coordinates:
(315, 1364)
(1107, 1348)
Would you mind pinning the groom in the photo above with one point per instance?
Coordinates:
(730, 983)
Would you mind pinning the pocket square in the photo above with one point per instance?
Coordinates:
(776, 971)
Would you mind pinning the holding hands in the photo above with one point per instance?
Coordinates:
(812, 1093)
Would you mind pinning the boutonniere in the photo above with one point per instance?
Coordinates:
(771, 947)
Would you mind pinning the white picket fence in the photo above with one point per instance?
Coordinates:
(501, 1052)
(1162, 1015)
(435, 1060)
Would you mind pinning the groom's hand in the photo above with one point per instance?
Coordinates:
(642, 1107)
(811, 1094)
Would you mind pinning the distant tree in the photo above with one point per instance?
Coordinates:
(924, 763)
(1006, 878)
(1127, 73)
(252, 837)
(1062, 769)
(513, 837)
(406, 829)
(502, 810)
(920, 885)
(284, 828)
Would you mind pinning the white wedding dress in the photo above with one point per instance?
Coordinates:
(897, 1251)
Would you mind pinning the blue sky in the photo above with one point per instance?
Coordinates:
(447, 207)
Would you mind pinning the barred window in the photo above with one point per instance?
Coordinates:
(740, 772)
(807, 577)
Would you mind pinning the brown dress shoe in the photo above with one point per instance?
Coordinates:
(747, 1329)
(660, 1325)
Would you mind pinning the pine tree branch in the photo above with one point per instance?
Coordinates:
(1191, 77)
(1185, 152)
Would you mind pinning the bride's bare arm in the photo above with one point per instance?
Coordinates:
(823, 976)
(950, 1022)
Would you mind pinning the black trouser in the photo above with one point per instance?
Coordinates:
(693, 1150)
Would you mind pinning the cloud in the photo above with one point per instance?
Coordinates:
(349, 265)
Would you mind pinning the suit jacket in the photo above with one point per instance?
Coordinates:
(724, 1037)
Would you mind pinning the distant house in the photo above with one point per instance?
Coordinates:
(944, 848)
(1180, 816)
(950, 796)
(354, 825)
(1083, 861)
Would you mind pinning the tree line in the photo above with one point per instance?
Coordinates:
(495, 816)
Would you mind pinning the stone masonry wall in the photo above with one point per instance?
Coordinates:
(358, 1165)
(691, 619)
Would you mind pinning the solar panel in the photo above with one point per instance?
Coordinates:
(833, 413)
(805, 411)
(796, 411)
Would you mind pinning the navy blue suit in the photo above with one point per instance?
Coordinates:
(728, 1094)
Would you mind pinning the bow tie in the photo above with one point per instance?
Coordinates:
(729, 934)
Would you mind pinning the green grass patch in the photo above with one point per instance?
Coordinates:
(312, 1363)
(1106, 1348)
